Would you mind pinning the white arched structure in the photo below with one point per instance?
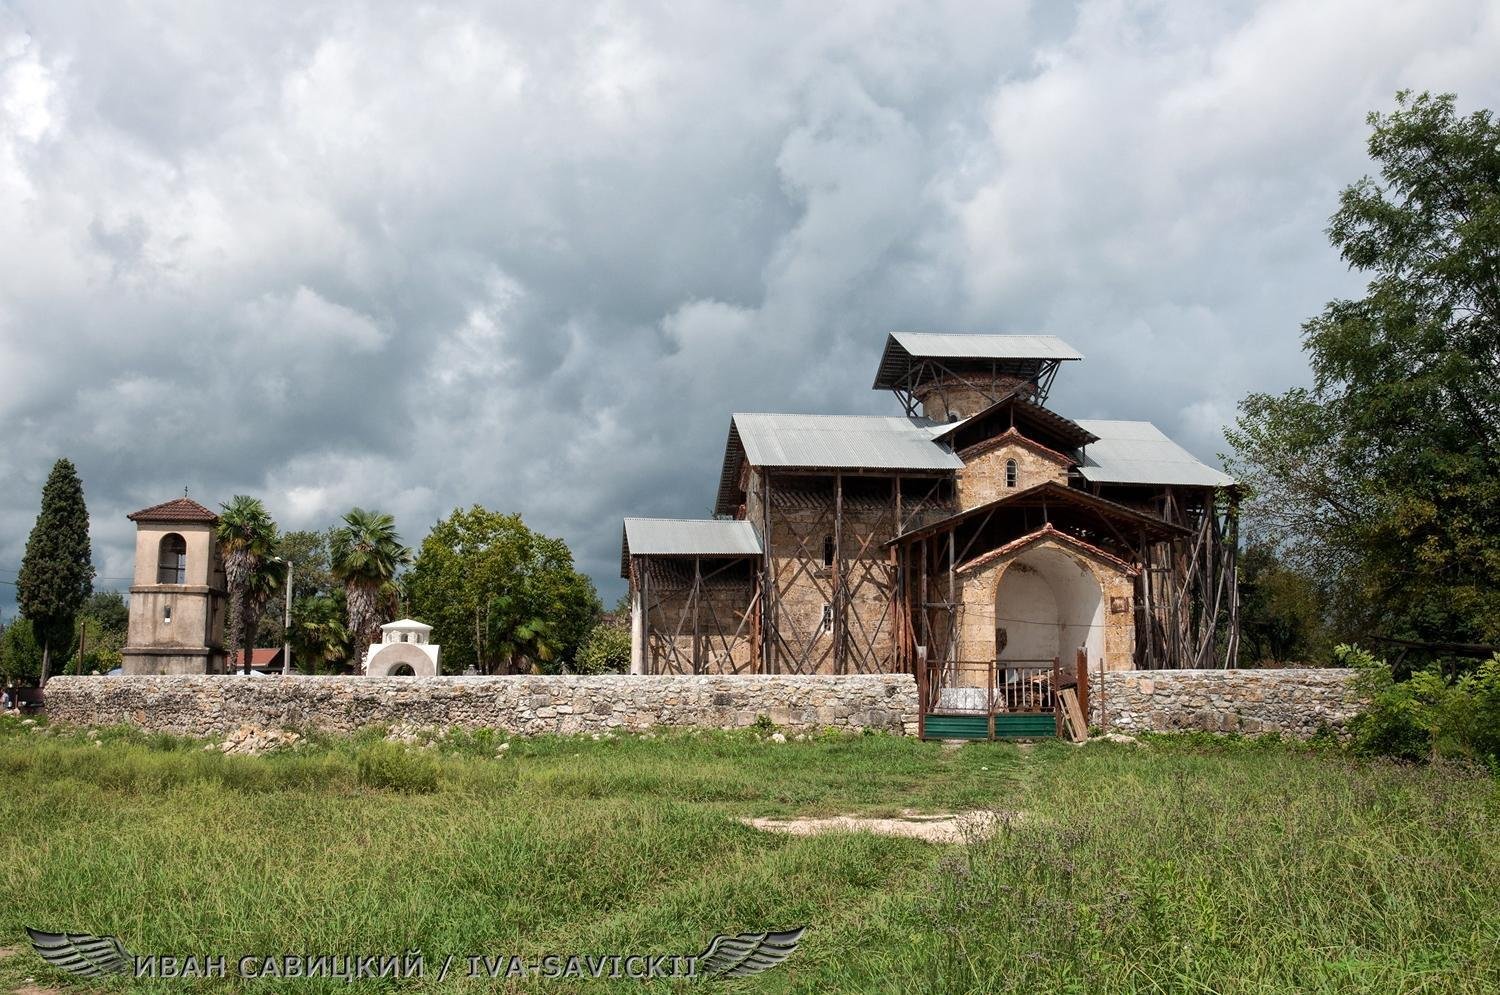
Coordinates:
(403, 651)
(1048, 604)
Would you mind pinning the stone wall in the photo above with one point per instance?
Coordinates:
(1290, 702)
(982, 479)
(524, 705)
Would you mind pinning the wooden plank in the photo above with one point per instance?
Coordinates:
(1077, 728)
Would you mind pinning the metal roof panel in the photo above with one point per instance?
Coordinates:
(865, 442)
(970, 345)
(1137, 452)
(690, 537)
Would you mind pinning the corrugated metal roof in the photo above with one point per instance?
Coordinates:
(1137, 452)
(961, 345)
(690, 537)
(864, 442)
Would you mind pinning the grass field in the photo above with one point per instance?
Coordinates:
(1180, 866)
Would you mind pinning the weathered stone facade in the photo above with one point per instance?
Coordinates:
(523, 705)
(1082, 601)
(1291, 702)
(945, 399)
(984, 477)
(805, 548)
(725, 629)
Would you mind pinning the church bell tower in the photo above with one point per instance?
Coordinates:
(177, 596)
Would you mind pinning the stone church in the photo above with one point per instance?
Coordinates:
(974, 536)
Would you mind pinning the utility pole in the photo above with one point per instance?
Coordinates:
(286, 621)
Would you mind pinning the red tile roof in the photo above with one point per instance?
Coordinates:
(181, 509)
(259, 658)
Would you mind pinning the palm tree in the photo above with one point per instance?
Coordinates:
(366, 553)
(318, 634)
(520, 632)
(246, 536)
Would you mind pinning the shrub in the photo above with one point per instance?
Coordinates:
(397, 768)
(605, 650)
(1426, 716)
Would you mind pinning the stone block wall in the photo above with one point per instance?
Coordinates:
(982, 479)
(523, 705)
(1291, 702)
(725, 633)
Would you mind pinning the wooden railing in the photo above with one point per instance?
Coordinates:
(985, 687)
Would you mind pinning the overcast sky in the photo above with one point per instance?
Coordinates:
(532, 256)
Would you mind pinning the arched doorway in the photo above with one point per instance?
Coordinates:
(1048, 605)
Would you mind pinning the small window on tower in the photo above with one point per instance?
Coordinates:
(828, 551)
(827, 617)
(1010, 473)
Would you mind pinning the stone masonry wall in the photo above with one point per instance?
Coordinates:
(982, 479)
(524, 705)
(1290, 702)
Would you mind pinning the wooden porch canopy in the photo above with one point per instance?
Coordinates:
(1097, 521)
(1042, 425)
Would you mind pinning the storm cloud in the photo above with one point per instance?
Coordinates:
(532, 256)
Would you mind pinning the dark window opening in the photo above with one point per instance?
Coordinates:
(1010, 473)
(828, 551)
(171, 560)
(827, 617)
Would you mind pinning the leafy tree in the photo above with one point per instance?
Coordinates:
(366, 553)
(1281, 611)
(1384, 476)
(312, 577)
(57, 572)
(606, 650)
(20, 656)
(100, 632)
(109, 610)
(499, 596)
(247, 538)
(320, 641)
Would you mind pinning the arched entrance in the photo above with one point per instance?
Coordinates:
(1048, 605)
(402, 660)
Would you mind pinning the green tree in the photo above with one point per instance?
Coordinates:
(499, 596)
(320, 640)
(1281, 611)
(109, 610)
(247, 539)
(366, 552)
(100, 633)
(57, 572)
(312, 577)
(605, 650)
(20, 656)
(1384, 476)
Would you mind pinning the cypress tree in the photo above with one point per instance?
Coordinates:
(57, 572)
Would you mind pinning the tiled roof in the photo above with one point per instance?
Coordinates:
(181, 509)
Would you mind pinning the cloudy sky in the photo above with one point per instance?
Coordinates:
(533, 255)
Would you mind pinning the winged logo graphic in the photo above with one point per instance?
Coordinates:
(734, 955)
(79, 953)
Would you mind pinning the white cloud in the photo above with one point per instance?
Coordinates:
(420, 257)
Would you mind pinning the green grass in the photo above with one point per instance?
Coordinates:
(1187, 865)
